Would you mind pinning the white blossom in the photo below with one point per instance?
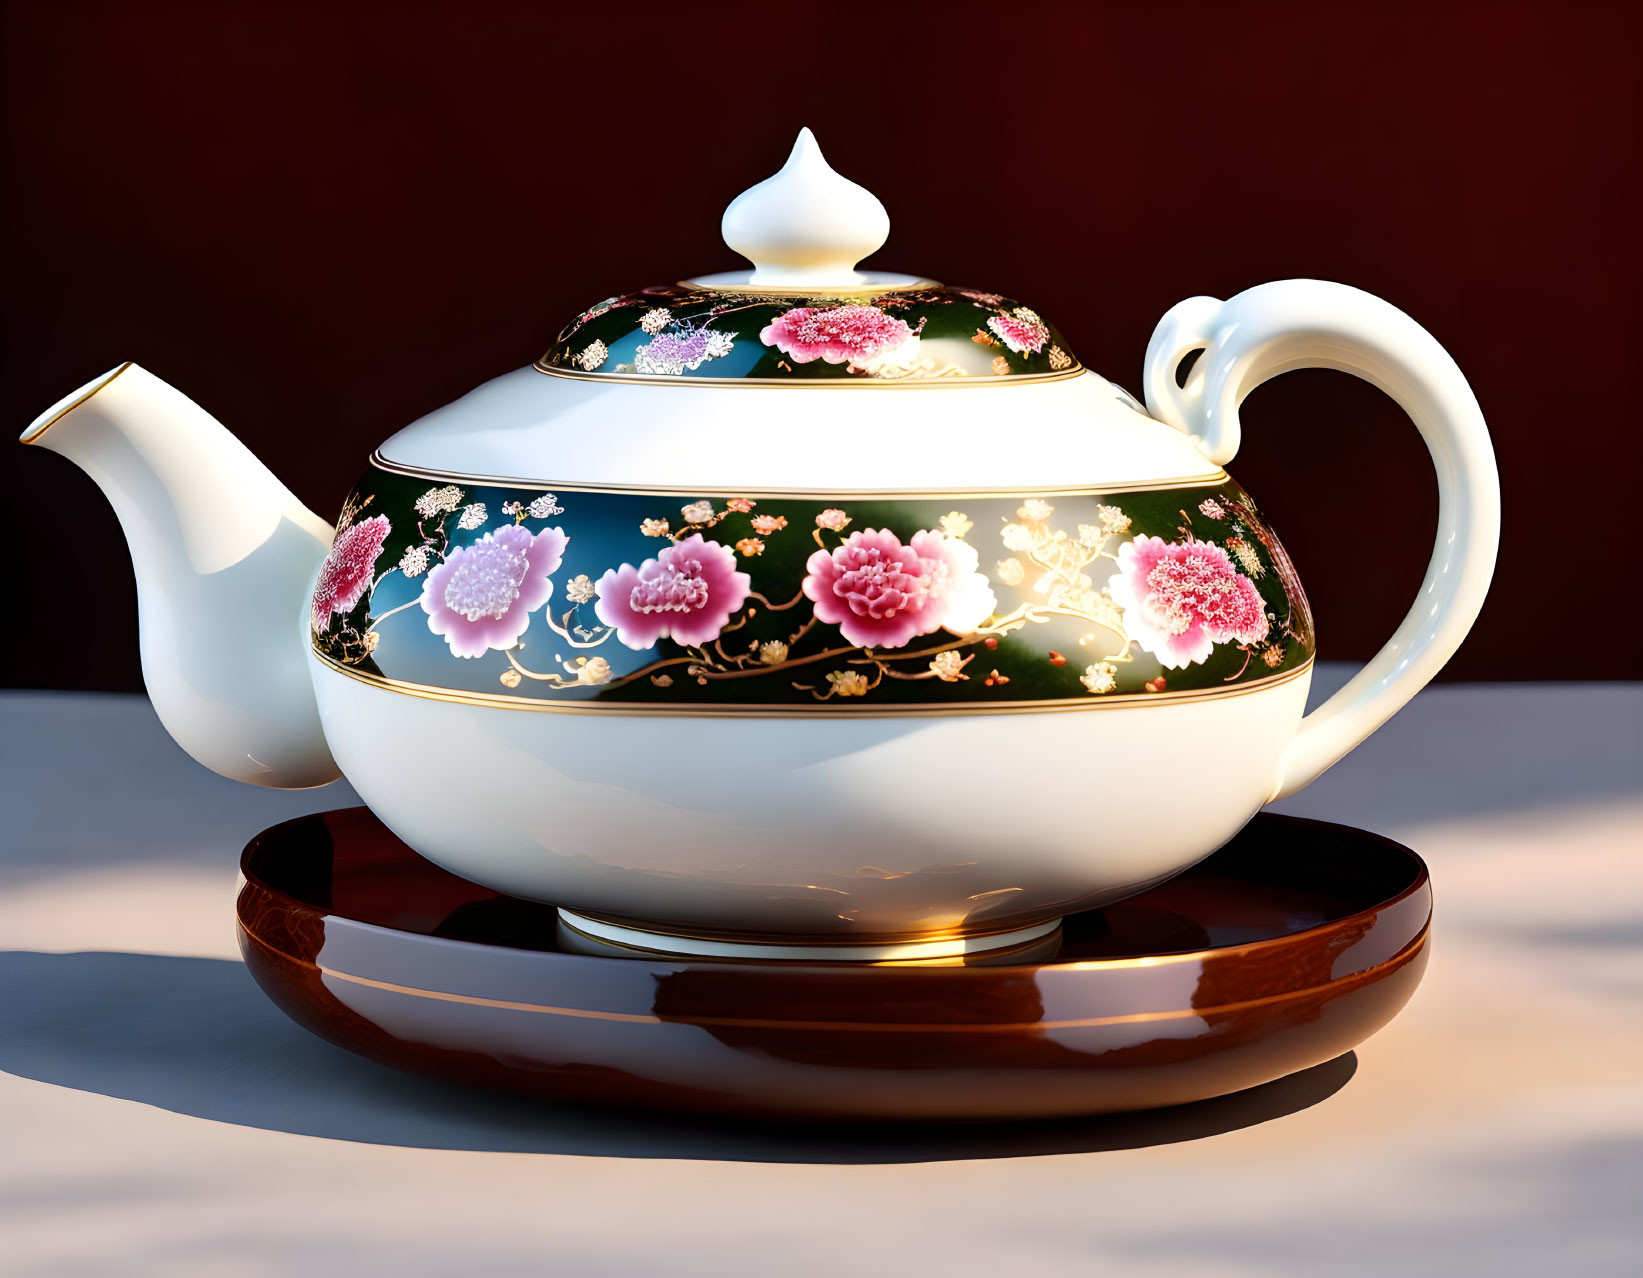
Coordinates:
(472, 516)
(1246, 556)
(1099, 678)
(579, 589)
(1016, 537)
(414, 562)
(1113, 519)
(654, 321)
(438, 501)
(847, 683)
(544, 506)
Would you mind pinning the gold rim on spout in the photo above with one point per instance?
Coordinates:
(39, 428)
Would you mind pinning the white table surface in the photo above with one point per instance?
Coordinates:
(159, 1116)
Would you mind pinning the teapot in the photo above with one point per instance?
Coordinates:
(802, 611)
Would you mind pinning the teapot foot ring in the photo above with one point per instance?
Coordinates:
(595, 935)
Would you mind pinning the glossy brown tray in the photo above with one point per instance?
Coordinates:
(1283, 950)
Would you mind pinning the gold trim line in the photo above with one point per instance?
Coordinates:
(501, 701)
(33, 433)
(812, 383)
(1210, 480)
(1385, 967)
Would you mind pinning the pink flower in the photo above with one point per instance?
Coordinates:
(1021, 330)
(1212, 508)
(837, 334)
(687, 593)
(882, 594)
(345, 575)
(483, 595)
(1180, 601)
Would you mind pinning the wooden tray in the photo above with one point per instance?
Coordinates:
(1284, 949)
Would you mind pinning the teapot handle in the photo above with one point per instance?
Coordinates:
(1291, 324)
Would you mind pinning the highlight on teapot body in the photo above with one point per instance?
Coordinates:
(740, 602)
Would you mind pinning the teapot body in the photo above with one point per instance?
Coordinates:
(852, 714)
(863, 829)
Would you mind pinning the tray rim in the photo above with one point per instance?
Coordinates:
(1408, 952)
(1419, 882)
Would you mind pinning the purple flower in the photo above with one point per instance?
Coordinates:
(670, 354)
(482, 596)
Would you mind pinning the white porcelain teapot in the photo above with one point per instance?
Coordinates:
(802, 610)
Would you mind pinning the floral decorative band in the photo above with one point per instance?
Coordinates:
(907, 335)
(694, 601)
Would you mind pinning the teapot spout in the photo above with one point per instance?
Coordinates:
(224, 557)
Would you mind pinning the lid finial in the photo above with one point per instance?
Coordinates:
(806, 226)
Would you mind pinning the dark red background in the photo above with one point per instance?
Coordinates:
(321, 222)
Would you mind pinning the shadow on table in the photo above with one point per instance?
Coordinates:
(195, 1036)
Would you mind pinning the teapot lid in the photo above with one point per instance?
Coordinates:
(804, 314)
